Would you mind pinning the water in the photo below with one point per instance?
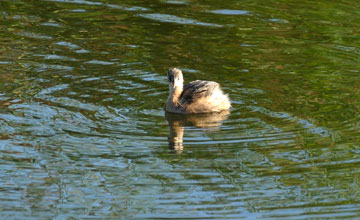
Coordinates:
(83, 133)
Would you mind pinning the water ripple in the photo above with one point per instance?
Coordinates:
(229, 12)
(175, 19)
(57, 57)
(99, 62)
(68, 45)
(83, 132)
(80, 2)
(35, 35)
(127, 8)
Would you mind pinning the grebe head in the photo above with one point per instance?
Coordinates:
(175, 78)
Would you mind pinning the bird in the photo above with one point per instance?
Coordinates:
(195, 97)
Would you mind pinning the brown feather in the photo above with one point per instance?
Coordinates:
(196, 90)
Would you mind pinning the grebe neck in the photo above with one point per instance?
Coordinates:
(174, 95)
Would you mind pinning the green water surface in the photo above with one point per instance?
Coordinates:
(83, 133)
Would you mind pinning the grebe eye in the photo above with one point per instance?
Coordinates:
(171, 78)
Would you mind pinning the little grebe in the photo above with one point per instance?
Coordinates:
(195, 97)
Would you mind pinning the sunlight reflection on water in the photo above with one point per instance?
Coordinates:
(83, 133)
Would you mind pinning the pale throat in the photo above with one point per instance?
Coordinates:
(175, 93)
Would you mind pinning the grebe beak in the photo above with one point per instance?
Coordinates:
(172, 84)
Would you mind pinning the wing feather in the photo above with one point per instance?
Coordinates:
(196, 90)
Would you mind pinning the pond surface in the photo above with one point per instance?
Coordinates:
(83, 133)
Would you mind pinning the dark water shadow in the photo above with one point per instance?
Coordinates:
(177, 123)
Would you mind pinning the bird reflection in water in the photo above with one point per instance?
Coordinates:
(177, 123)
